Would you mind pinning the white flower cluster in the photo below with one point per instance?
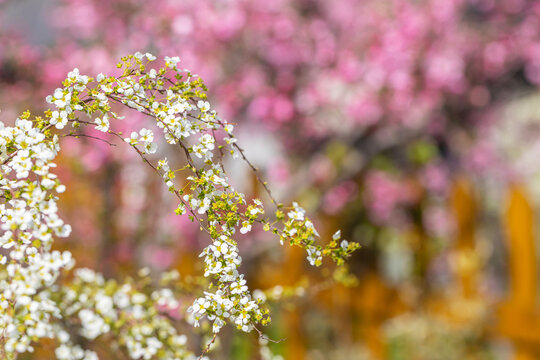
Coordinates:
(232, 301)
(105, 307)
(180, 119)
(145, 136)
(62, 99)
(298, 216)
(32, 307)
(29, 221)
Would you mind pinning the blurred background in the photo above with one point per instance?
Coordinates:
(413, 126)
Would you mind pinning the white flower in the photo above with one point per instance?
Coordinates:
(146, 135)
(172, 62)
(314, 256)
(102, 124)
(132, 140)
(203, 105)
(59, 119)
(150, 147)
(63, 352)
(150, 57)
(246, 227)
(205, 206)
(296, 215)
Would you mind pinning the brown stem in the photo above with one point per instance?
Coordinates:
(207, 348)
(91, 137)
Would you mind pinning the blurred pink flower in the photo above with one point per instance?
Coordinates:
(337, 197)
(160, 258)
(384, 194)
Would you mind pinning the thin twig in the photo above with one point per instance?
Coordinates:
(264, 337)
(256, 172)
(207, 349)
(91, 137)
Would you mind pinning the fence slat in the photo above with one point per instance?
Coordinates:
(518, 316)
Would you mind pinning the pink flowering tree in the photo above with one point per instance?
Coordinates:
(413, 72)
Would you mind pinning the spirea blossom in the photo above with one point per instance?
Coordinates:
(34, 306)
